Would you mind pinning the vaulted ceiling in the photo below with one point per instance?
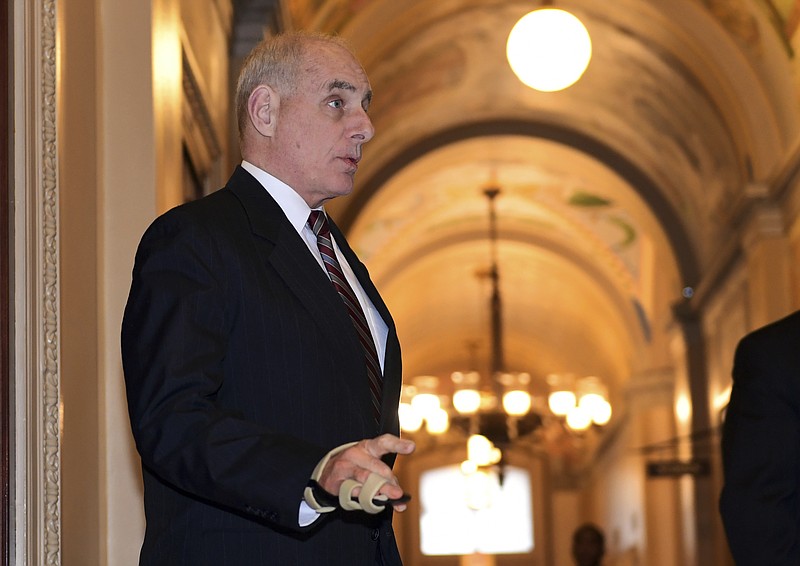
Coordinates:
(617, 193)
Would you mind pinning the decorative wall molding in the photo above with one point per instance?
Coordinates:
(49, 298)
(37, 408)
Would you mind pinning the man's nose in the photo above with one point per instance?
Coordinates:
(364, 130)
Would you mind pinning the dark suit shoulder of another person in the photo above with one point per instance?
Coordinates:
(759, 503)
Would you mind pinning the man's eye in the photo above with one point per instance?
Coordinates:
(335, 103)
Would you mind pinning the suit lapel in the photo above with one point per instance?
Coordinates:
(289, 257)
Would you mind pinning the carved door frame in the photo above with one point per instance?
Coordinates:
(32, 336)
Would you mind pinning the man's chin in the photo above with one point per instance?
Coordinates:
(344, 189)
(330, 193)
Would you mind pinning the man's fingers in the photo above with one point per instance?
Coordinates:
(389, 444)
(361, 460)
(354, 463)
(374, 449)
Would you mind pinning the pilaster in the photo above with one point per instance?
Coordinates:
(769, 264)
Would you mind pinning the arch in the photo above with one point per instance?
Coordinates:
(667, 216)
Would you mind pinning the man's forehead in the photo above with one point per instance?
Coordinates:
(337, 66)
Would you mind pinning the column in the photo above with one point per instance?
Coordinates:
(769, 265)
(650, 399)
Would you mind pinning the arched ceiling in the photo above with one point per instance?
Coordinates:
(616, 193)
(574, 236)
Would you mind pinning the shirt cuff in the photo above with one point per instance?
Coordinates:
(306, 515)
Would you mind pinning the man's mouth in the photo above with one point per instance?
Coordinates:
(352, 162)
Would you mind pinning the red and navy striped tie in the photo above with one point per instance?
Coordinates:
(319, 224)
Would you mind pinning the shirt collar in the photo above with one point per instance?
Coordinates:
(294, 207)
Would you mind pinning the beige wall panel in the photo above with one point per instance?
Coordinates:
(130, 146)
(78, 172)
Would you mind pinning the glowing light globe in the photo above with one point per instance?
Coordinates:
(549, 49)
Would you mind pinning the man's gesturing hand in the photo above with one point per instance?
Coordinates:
(363, 459)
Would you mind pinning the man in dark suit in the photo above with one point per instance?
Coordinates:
(760, 501)
(264, 437)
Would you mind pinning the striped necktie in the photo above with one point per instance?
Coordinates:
(319, 224)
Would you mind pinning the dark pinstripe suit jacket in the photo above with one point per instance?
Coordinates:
(242, 370)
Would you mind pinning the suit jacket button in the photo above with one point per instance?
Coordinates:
(375, 534)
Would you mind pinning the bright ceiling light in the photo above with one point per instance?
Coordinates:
(410, 420)
(578, 419)
(467, 401)
(549, 49)
(561, 402)
(602, 414)
(425, 404)
(437, 422)
(517, 403)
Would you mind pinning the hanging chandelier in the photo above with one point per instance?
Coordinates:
(496, 410)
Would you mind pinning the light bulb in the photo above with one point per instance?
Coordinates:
(549, 49)
(578, 419)
(468, 467)
(410, 420)
(425, 404)
(516, 403)
(591, 402)
(479, 450)
(602, 413)
(466, 401)
(560, 402)
(437, 422)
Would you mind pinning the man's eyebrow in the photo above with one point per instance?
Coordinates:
(341, 85)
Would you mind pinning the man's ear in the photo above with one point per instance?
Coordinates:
(262, 108)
